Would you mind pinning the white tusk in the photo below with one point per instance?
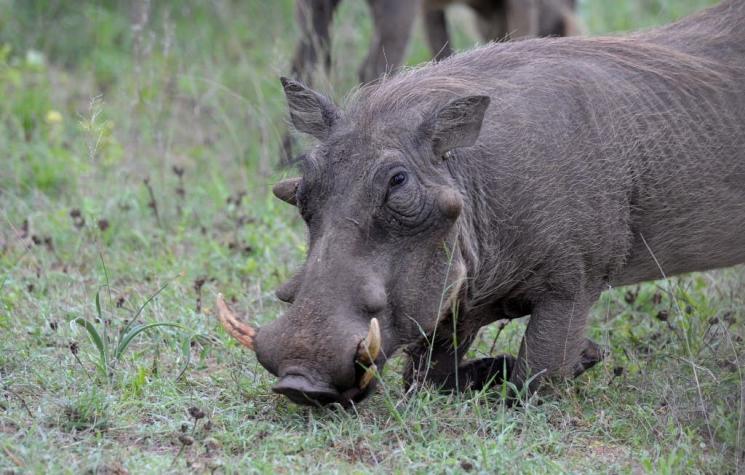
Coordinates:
(369, 348)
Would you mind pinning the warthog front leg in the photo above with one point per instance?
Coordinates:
(442, 365)
(314, 21)
(392, 20)
(314, 46)
(440, 368)
(435, 25)
(554, 343)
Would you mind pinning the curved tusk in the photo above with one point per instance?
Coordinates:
(369, 348)
(239, 330)
(370, 373)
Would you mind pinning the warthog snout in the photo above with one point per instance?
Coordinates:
(302, 389)
(312, 369)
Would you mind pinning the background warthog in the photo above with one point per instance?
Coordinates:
(496, 20)
(520, 178)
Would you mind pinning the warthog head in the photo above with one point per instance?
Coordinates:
(383, 262)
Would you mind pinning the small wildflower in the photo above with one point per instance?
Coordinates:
(35, 58)
(53, 117)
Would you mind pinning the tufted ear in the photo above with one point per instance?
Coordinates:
(286, 190)
(310, 112)
(458, 124)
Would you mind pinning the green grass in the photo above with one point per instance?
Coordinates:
(138, 158)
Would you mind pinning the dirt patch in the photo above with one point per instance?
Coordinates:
(607, 455)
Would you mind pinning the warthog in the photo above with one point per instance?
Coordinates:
(496, 20)
(516, 179)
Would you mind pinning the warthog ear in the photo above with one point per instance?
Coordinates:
(458, 124)
(286, 190)
(310, 112)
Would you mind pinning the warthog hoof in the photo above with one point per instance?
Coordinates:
(591, 354)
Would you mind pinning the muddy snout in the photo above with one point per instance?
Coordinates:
(313, 369)
(325, 374)
(305, 389)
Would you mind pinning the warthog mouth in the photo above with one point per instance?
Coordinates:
(300, 387)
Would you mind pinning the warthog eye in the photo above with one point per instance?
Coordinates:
(398, 179)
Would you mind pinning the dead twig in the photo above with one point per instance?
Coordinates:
(20, 399)
(153, 204)
(501, 324)
(14, 458)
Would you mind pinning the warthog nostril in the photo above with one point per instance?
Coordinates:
(302, 390)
